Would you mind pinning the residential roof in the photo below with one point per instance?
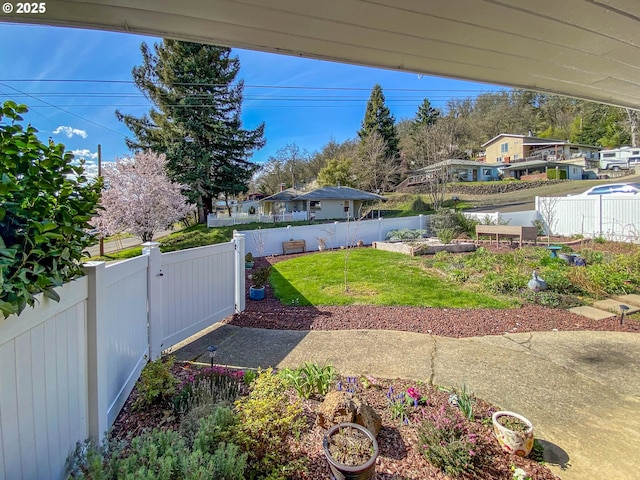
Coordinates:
(536, 163)
(339, 193)
(283, 196)
(536, 141)
(458, 162)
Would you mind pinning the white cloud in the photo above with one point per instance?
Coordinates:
(70, 131)
(85, 153)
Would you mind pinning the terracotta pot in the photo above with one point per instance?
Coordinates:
(340, 471)
(512, 441)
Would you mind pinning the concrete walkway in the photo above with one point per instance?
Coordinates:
(581, 390)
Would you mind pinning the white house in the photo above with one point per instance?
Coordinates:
(322, 203)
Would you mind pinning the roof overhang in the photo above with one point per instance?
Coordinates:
(581, 48)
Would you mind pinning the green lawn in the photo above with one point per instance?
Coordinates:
(375, 277)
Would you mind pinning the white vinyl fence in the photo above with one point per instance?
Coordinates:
(68, 367)
(268, 241)
(614, 217)
(524, 218)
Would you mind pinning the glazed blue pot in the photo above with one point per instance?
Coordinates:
(256, 293)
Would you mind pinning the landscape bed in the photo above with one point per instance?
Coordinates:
(399, 439)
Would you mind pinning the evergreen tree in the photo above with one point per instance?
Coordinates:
(426, 114)
(195, 120)
(378, 119)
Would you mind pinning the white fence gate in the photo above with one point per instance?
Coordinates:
(67, 368)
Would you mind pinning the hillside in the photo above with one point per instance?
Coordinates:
(403, 204)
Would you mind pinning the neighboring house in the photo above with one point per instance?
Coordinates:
(322, 203)
(282, 202)
(245, 207)
(454, 169)
(537, 170)
(508, 148)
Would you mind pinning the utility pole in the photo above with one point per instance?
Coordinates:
(100, 175)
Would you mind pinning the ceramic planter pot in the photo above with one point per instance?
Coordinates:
(256, 293)
(248, 265)
(340, 471)
(513, 441)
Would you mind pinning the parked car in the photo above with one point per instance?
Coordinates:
(613, 189)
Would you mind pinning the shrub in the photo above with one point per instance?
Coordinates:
(156, 383)
(227, 463)
(550, 299)
(90, 460)
(159, 454)
(260, 276)
(209, 386)
(419, 205)
(506, 282)
(267, 418)
(404, 234)
(46, 203)
(449, 220)
(446, 235)
(214, 429)
(447, 444)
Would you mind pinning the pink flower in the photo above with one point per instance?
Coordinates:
(413, 393)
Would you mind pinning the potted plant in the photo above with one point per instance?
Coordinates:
(260, 278)
(248, 261)
(351, 451)
(514, 432)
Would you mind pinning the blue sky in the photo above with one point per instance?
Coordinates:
(301, 101)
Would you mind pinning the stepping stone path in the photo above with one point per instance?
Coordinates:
(609, 307)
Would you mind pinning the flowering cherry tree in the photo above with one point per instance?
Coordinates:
(139, 198)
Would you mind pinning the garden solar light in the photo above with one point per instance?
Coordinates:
(212, 349)
(623, 310)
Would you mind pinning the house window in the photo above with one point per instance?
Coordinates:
(315, 205)
(499, 159)
(504, 148)
(486, 172)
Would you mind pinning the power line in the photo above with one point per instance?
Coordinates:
(63, 110)
(284, 87)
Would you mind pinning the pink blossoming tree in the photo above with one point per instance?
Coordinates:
(139, 198)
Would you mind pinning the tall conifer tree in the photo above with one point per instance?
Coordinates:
(378, 118)
(195, 119)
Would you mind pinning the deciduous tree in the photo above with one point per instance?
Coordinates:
(139, 198)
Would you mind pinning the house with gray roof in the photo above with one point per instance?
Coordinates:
(538, 170)
(322, 203)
